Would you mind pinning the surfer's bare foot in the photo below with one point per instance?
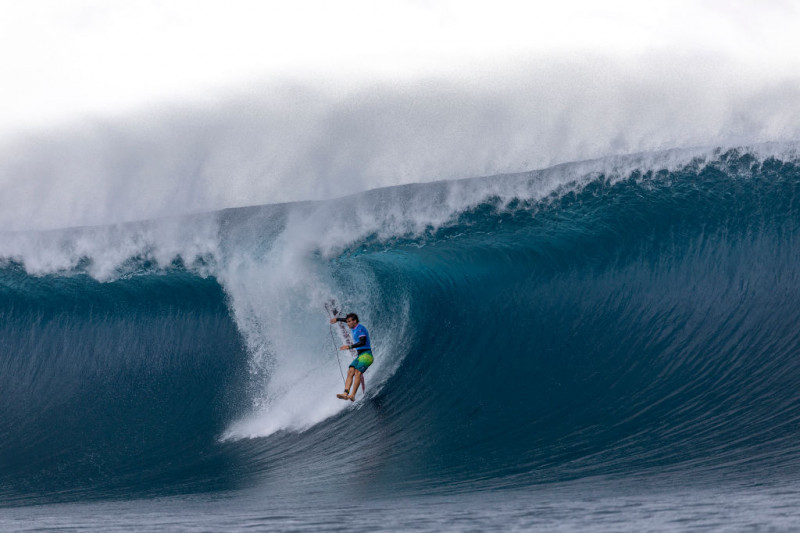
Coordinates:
(342, 396)
(352, 398)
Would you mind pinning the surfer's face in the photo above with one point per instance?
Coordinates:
(351, 323)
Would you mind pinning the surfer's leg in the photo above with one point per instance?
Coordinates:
(355, 385)
(360, 365)
(348, 382)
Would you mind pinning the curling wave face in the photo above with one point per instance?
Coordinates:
(617, 317)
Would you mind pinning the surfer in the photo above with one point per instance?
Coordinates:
(363, 358)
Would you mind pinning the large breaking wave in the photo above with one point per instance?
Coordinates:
(615, 317)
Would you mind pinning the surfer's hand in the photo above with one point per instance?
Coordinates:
(345, 347)
(333, 321)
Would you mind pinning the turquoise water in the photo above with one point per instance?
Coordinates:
(576, 348)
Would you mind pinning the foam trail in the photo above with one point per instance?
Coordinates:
(277, 299)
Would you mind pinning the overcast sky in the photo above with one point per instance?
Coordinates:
(65, 58)
(115, 110)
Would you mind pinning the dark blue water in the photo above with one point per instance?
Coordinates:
(634, 331)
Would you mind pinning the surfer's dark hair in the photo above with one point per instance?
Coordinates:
(353, 316)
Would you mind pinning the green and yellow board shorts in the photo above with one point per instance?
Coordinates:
(362, 362)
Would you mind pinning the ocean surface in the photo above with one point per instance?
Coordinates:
(606, 345)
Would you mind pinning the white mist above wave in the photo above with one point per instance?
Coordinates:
(313, 140)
